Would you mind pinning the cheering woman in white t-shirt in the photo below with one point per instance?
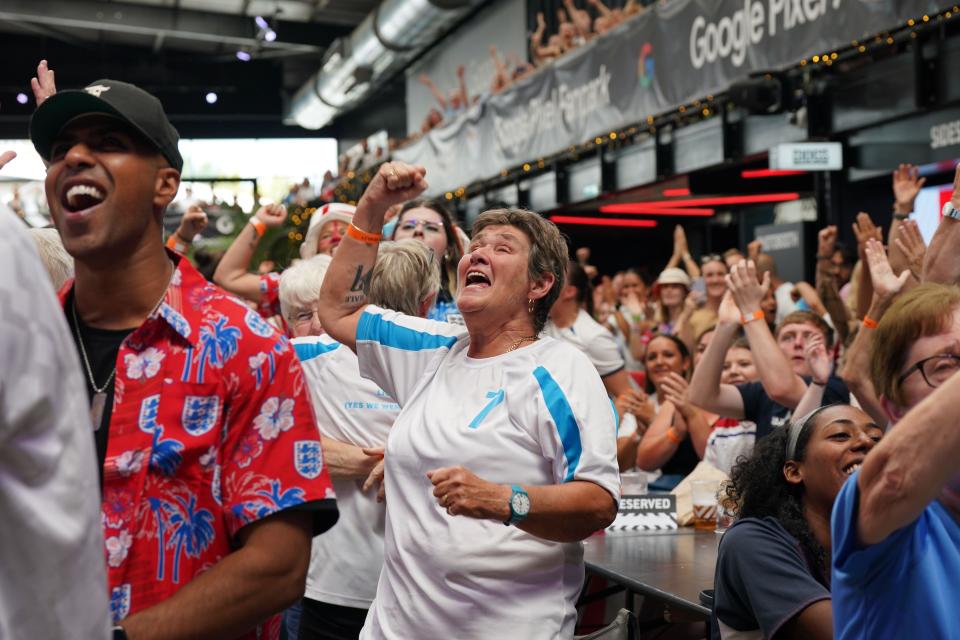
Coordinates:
(497, 427)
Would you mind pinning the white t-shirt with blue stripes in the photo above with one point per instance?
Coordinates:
(345, 562)
(535, 416)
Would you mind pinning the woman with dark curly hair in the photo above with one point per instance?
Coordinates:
(773, 568)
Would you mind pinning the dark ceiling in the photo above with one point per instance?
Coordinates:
(182, 49)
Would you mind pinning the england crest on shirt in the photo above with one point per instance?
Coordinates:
(308, 458)
(119, 602)
(200, 414)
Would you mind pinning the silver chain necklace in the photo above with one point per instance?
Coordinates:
(99, 401)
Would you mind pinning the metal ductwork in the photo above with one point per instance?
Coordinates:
(385, 42)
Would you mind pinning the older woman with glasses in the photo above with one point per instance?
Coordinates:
(497, 426)
(896, 523)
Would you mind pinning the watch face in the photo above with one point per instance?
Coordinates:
(520, 503)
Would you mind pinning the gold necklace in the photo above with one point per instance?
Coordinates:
(516, 345)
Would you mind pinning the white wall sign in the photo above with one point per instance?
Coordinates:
(807, 156)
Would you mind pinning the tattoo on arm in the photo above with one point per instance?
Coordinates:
(361, 281)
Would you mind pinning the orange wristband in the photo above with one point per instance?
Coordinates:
(259, 226)
(869, 322)
(673, 437)
(174, 243)
(363, 236)
(756, 315)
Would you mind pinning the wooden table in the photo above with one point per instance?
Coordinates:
(671, 567)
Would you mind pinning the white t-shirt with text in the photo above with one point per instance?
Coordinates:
(345, 562)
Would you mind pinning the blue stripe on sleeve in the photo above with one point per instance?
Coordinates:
(563, 417)
(616, 417)
(374, 328)
(309, 350)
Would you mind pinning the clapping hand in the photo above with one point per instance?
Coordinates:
(906, 186)
(728, 313)
(826, 242)
(885, 283)
(864, 230)
(910, 243)
(754, 249)
(675, 388)
(747, 291)
(637, 403)
(818, 359)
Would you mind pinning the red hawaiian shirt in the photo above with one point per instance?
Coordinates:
(211, 430)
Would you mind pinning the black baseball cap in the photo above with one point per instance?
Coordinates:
(122, 100)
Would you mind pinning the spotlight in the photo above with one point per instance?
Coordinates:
(261, 22)
(22, 98)
(244, 55)
(269, 35)
(211, 98)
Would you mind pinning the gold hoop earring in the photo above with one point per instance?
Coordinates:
(530, 304)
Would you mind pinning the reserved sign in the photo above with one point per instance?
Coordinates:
(646, 513)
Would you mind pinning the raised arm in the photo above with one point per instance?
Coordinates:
(706, 391)
(864, 230)
(681, 253)
(462, 85)
(194, 221)
(600, 7)
(826, 281)
(906, 185)
(856, 369)
(776, 375)
(437, 94)
(231, 273)
(909, 468)
(942, 263)
(344, 292)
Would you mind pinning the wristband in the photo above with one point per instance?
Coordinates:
(173, 242)
(673, 437)
(363, 236)
(819, 384)
(901, 216)
(258, 226)
(869, 322)
(756, 315)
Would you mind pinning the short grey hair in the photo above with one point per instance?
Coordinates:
(300, 285)
(404, 276)
(548, 252)
(58, 262)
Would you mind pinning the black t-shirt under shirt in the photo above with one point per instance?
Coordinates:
(102, 347)
(767, 414)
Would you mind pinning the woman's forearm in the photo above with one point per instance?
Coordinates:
(568, 512)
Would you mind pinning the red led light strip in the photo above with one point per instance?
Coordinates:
(658, 207)
(603, 222)
(770, 173)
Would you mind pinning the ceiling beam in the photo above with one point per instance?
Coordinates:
(162, 22)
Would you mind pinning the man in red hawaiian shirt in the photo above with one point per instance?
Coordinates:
(212, 473)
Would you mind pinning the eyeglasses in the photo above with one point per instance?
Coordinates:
(429, 226)
(305, 315)
(711, 257)
(935, 369)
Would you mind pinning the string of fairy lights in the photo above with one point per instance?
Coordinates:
(351, 188)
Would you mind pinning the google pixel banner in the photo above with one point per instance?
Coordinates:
(674, 53)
